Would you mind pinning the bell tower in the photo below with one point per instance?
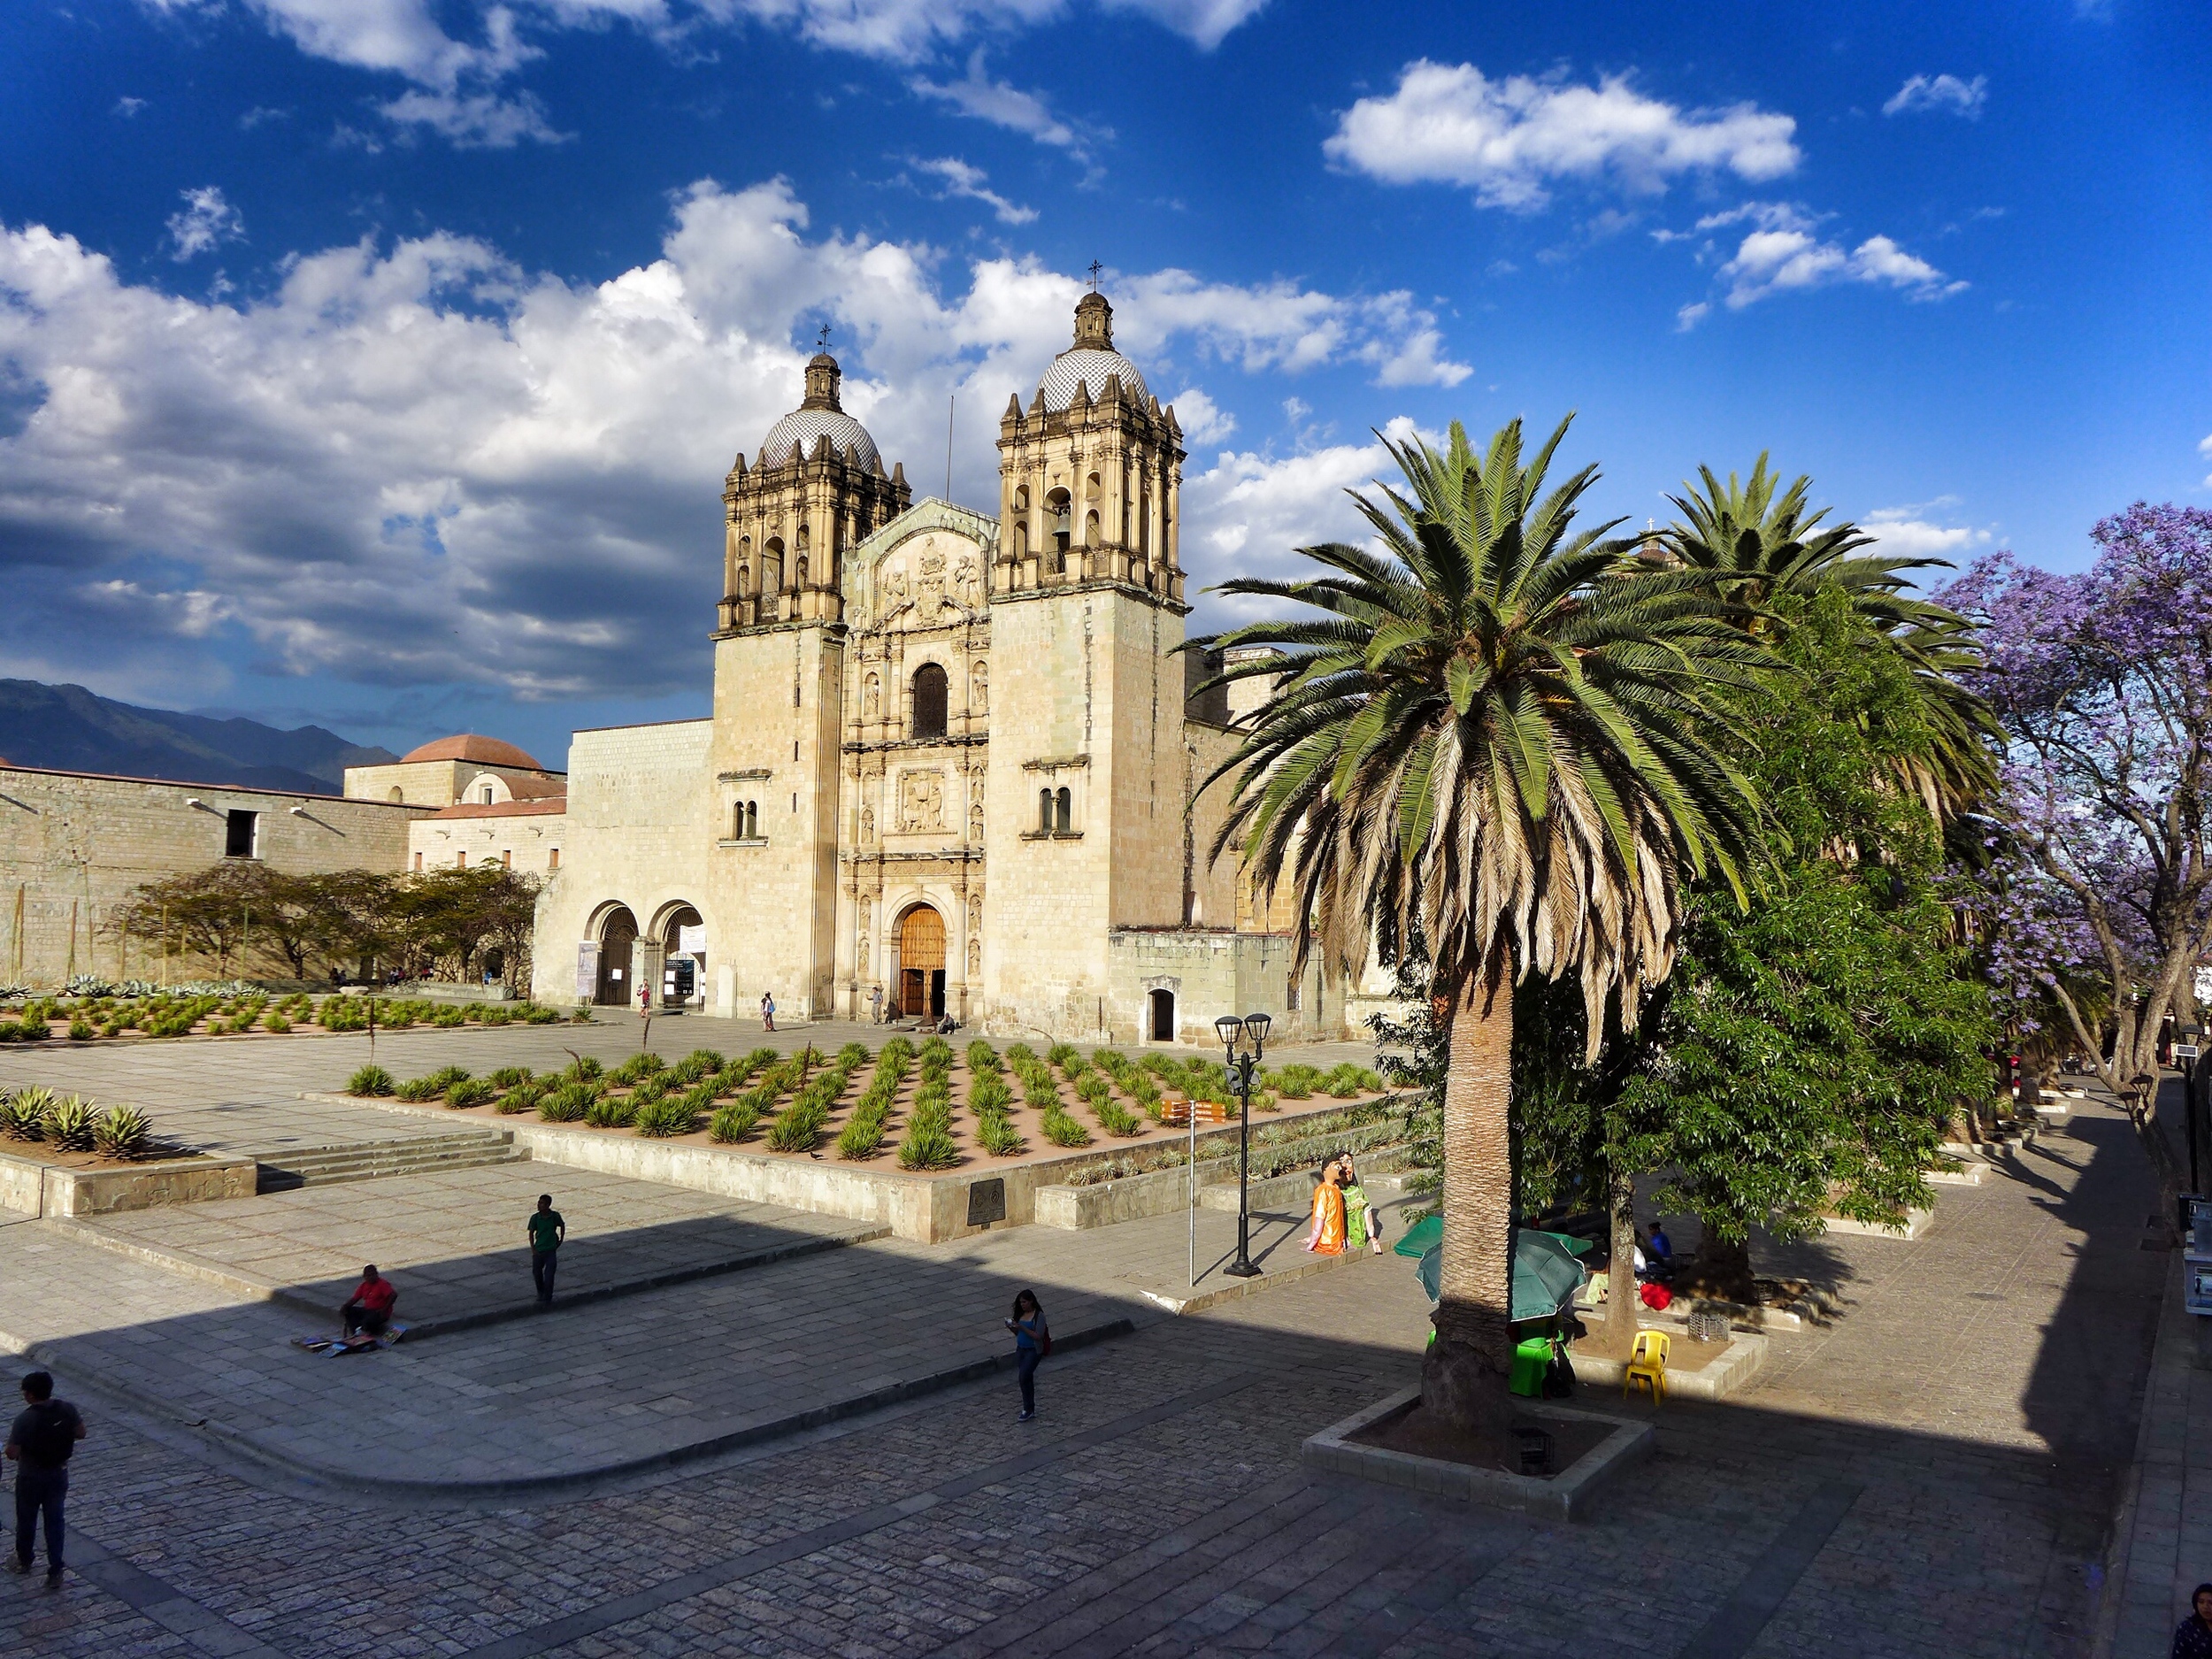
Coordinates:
(1086, 703)
(817, 489)
(1091, 476)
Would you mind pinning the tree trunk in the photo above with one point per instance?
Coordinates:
(1617, 1332)
(1464, 1377)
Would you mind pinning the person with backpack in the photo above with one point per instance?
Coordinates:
(1032, 1342)
(40, 1441)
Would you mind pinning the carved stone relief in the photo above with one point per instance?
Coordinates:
(867, 823)
(975, 958)
(921, 801)
(871, 698)
(966, 584)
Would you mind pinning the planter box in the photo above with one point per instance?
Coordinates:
(1564, 1497)
(1917, 1222)
(1729, 1374)
(52, 1189)
(1164, 1193)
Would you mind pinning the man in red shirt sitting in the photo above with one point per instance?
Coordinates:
(370, 1307)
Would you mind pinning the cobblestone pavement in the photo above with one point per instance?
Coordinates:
(647, 1377)
(1908, 1482)
(453, 1241)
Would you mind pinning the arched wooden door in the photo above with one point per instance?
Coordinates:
(921, 961)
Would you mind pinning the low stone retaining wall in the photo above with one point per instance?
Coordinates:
(928, 1209)
(54, 1189)
(1163, 1192)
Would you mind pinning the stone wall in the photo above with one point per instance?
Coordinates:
(525, 835)
(75, 847)
(638, 835)
(1212, 972)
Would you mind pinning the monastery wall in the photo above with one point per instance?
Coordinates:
(638, 835)
(73, 848)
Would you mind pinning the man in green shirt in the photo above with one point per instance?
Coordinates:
(547, 1230)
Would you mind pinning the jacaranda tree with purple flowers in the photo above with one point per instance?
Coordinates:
(2103, 682)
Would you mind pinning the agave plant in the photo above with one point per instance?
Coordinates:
(122, 1131)
(69, 1123)
(23, 1113)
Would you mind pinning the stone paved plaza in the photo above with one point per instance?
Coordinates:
(1934, 1473)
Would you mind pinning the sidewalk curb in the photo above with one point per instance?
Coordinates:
(2104, 1633)
(257, 1290)
(1238, 1290)
(554, 1486)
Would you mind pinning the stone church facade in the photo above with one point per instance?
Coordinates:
(953, 754)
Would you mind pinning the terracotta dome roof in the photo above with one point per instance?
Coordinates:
(484, 751)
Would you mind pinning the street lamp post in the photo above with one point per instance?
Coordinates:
(2186, 1037)
(1243, 1041)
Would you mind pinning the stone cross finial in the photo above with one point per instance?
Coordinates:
(821, 339)
(1096, 268)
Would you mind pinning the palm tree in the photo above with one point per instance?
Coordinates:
(1496, 733)
(1766, 547)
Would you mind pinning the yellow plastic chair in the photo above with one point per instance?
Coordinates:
(1648, 1365)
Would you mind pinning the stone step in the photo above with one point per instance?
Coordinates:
(375, 1160)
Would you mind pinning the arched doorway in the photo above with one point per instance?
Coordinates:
(1161, 1026)
(921, 986)
(683, 955)
(617, 931)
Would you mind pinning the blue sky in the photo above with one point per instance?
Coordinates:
(377, 362)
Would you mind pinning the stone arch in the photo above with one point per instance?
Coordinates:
(397, 796)
(918, 986)
(616, 929)
(771, 567)
(1061, 510)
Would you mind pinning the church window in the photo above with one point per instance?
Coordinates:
(805, 540)
(460, 860)
(487, 794)
(1144, 522)
(1021, 538)
(1090, 528)
(241, 834)
(1061, 803)
(507, 859)
(397, 795)
(931, 700)
(553, 859)
(1044, 811)
(1091, 487)
(418, 863)
(1021, 498)
(771, 567)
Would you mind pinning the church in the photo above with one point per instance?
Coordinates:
(954, 759)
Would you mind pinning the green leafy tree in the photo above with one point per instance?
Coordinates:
(1807, 1052)
(1498, 731)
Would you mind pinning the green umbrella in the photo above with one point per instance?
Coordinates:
(1546, 1275)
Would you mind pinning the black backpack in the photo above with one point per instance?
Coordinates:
(51, 1435)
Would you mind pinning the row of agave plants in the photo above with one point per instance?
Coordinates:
(70, 1123)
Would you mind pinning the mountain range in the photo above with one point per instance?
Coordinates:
(71, 729)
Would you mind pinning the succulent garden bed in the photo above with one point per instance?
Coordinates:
(219, 1013)
(71, 1131)
(921, 1108)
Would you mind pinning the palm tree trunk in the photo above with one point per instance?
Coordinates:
(1464, 1377)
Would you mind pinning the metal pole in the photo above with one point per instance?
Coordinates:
(1191, 1112)
(1241, 1069)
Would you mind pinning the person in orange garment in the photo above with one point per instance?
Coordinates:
(370, 1307)
(1325, 1237)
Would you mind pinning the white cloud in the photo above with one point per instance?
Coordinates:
(457, 82)
(128, 107)
(2205, 450)
(473, 120)
(1782, 252)
(1511, 139)
(418, 463)
(1906, 532)
(1943, 94)
(1203, 22)
(1690, 316)
(205, 220)
(961, 179)
(1004, 104)
(1202, 420)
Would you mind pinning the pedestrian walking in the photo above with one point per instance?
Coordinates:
(39, 1442)
(1032, 1340)
(875, 1006)
(548, 1233)
(768, 1010)
(2192, 1641)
